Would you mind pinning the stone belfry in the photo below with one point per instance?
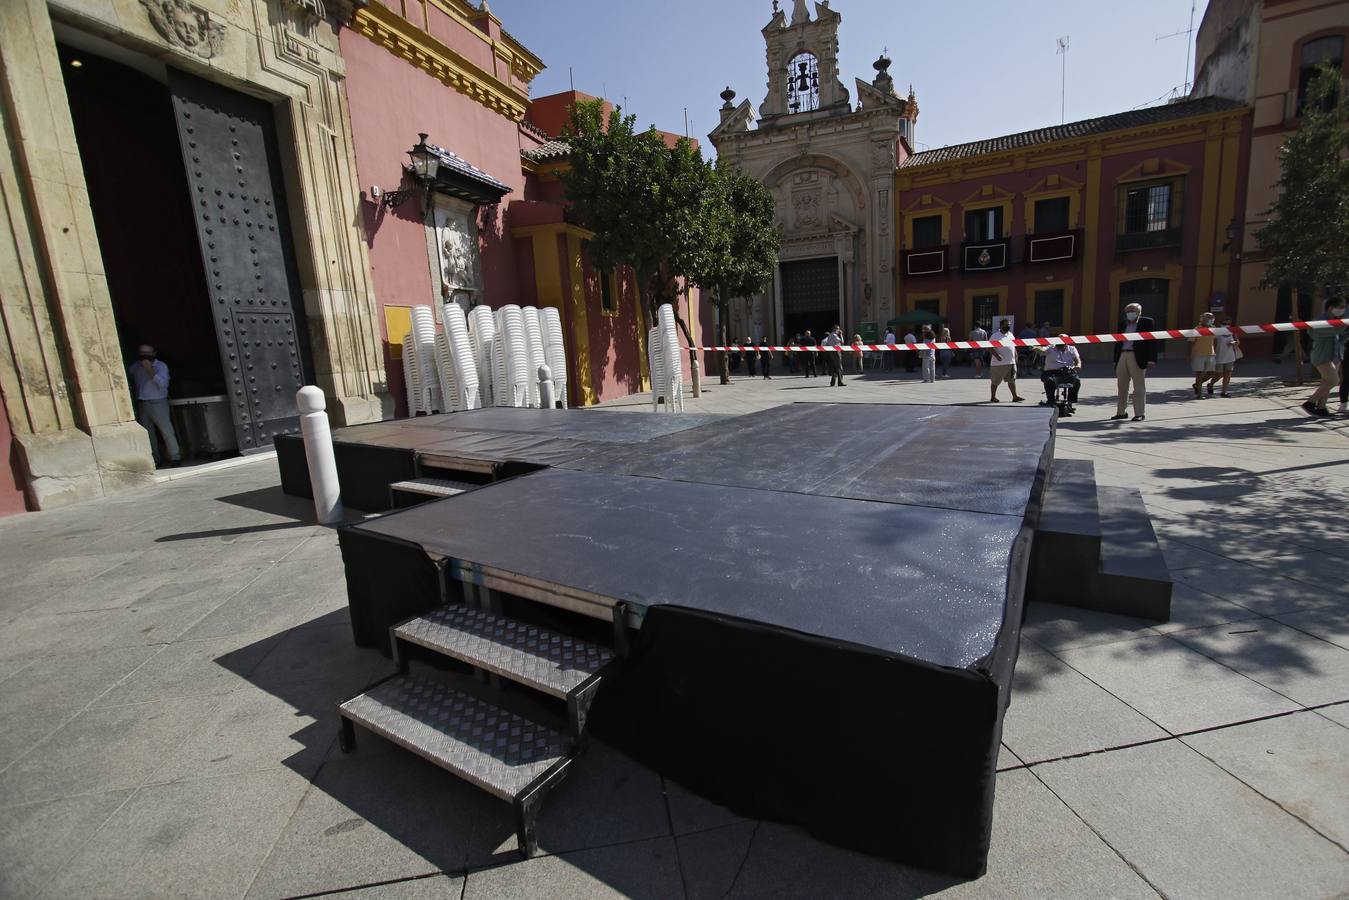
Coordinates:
(830, 165)
(803, 63)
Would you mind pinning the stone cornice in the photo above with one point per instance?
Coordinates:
(406, 41)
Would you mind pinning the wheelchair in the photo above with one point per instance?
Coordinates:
(1063, 385)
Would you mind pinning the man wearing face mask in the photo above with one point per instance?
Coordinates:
(1132, 361)
(149, 379)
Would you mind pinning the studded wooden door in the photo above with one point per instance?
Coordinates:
(229, 149)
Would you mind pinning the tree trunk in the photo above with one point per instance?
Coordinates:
(724, 333)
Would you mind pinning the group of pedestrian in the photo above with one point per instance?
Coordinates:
(1212, 358)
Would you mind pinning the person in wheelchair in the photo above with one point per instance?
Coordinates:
(1063, 365)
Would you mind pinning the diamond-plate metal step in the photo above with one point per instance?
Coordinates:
(499, 751)
(432, 487)
(556, 664)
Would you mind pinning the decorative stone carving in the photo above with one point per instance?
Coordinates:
(807, 207)
(455, 255)
(186, 26)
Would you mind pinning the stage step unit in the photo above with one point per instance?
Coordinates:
(1095, 548)
(501, 751)
(419, 490)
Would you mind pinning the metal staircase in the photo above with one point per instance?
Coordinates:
(466, 727)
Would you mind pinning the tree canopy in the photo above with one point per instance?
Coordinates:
(665, 211)
(1307, 236)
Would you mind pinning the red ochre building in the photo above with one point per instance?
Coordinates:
(450, 71)
(1068, 224)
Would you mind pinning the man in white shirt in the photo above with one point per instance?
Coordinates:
(1002, 365)
(977, 355)
(833, 359)
(890, 341)
(149, 379)
(1062, 364)
(910, 356)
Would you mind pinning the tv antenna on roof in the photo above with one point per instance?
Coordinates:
(1186, 84)
(1062, 50)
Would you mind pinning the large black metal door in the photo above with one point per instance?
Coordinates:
(810, 296)
(229, 149)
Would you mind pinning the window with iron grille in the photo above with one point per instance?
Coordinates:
(927, 232)
(1049, 306)
(1051, 215)
(984, 308)
(1147, 208)
(983, 224)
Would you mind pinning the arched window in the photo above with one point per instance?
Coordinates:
(1328, 49)
(803, 83)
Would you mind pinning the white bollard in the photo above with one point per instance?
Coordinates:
(546, 388)
(318, 453)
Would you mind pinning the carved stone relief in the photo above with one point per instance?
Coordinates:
(455, 239)
(186, 26)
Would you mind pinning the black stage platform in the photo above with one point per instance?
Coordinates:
(828, 597)
(493, 443)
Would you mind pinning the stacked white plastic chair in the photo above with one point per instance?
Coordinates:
(412, 375)
(514, 356)
(482, 328)
(534, 343)
(555, 351)
(462, 359)
(656, 365)
(424, 332)
(449, 385)
(674, 374)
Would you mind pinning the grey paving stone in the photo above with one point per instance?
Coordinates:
(203, 838)
(1268, 594)
(1055, 627)
(1192, 608)
(318, 653)
(1337, 713)
(38, 634)
(102, 750)
(36, 839)
(711, 859)
(435, 887)
(189, 668)
(1176, 687)
(605, 799)
(1298, 761)
(248, 730)
(641, 869)
(1329, 623)
(1297, 665)
(690, 812)
(391, 816)
(1056, 711)
(277, 599)
(1192, 829)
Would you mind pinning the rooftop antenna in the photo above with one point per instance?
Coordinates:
(686, 121)
(571, 78)
(1063, 78)
(1186, 84)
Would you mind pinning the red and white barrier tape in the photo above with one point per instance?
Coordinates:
(1049, 342)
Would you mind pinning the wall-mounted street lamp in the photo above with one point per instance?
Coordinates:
(425, 165)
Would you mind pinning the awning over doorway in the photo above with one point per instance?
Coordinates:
(457, 177)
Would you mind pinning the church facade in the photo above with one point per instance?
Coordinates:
(829, 160)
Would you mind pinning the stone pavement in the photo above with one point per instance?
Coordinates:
(170, 660)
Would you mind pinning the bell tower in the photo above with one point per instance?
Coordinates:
(802, 61)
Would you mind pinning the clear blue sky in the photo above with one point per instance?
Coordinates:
(980, 69)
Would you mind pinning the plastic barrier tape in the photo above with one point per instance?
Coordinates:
(1051, 341)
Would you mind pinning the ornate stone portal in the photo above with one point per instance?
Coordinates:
(830, 167)
(61, 373)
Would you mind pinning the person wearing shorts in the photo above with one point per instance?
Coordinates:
(1326, 357)
(1002, 365)
(1203, 359)
(1225, 347)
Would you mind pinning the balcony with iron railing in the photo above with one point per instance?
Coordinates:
(1127, 242)
(985, 256)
